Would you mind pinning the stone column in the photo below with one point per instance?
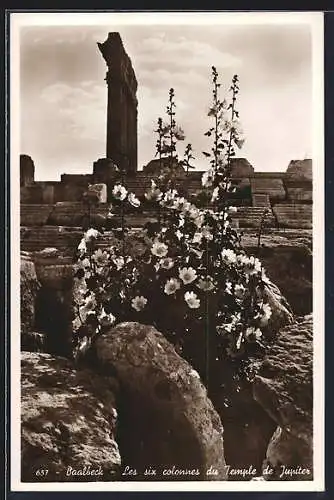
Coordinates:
(122, 104)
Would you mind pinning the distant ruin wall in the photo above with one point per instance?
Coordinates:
(27, 171)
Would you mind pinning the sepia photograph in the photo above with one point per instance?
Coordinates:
(167, 190)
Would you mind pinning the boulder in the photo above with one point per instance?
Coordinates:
(68, 422)
(281, 310)
(29, 286)
(284, 388)
(167, 420)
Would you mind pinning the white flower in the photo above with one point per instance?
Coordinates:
(197, 237)
(153, 194)
(187, 275)
(193, 212)
(82, 247)
(166, 263)
(258, 333)
(251, 331)
(101, 258)
(228, 288)
(106, 319)
(133, 200)
(239, 291)
(119, 261)
(215, 194)
(170, 196)
(225, 328)
(228, 256)
(232, 209)
(159, 249)
(267, 312)
(119, 192)
(252, 265)
(84, 263)
(186, 207)
(192, 300)
(206, 232)
(206, 284)
(242, 259)
(91, 234)
(178, 234)
(181, 221)
(171, 286)
(238, 344)
(178, 203)
(138, 303)
(88, 306)
(198, 220)
(207, 178)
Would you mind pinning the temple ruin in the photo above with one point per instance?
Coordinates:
(45, 206)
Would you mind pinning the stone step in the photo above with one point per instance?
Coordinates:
(294, 216)
(261, 200)
(35, 215)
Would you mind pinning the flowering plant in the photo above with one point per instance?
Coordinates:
(193, 280)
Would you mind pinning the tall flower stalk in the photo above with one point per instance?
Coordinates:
(171, 113)
(188, 156)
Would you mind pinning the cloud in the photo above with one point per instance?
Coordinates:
(182, 52)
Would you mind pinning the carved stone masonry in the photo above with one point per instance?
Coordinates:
(122, 105)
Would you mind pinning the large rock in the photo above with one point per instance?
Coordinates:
(167, 420)
(284, 389)
(29, 286)
(68, 422)
(280, 308)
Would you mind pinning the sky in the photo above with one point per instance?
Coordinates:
(63, 95)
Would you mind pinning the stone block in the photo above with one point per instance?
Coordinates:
(68, 422)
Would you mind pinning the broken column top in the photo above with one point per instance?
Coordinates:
(117, 59)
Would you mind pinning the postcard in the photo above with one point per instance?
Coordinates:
(167, 251)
